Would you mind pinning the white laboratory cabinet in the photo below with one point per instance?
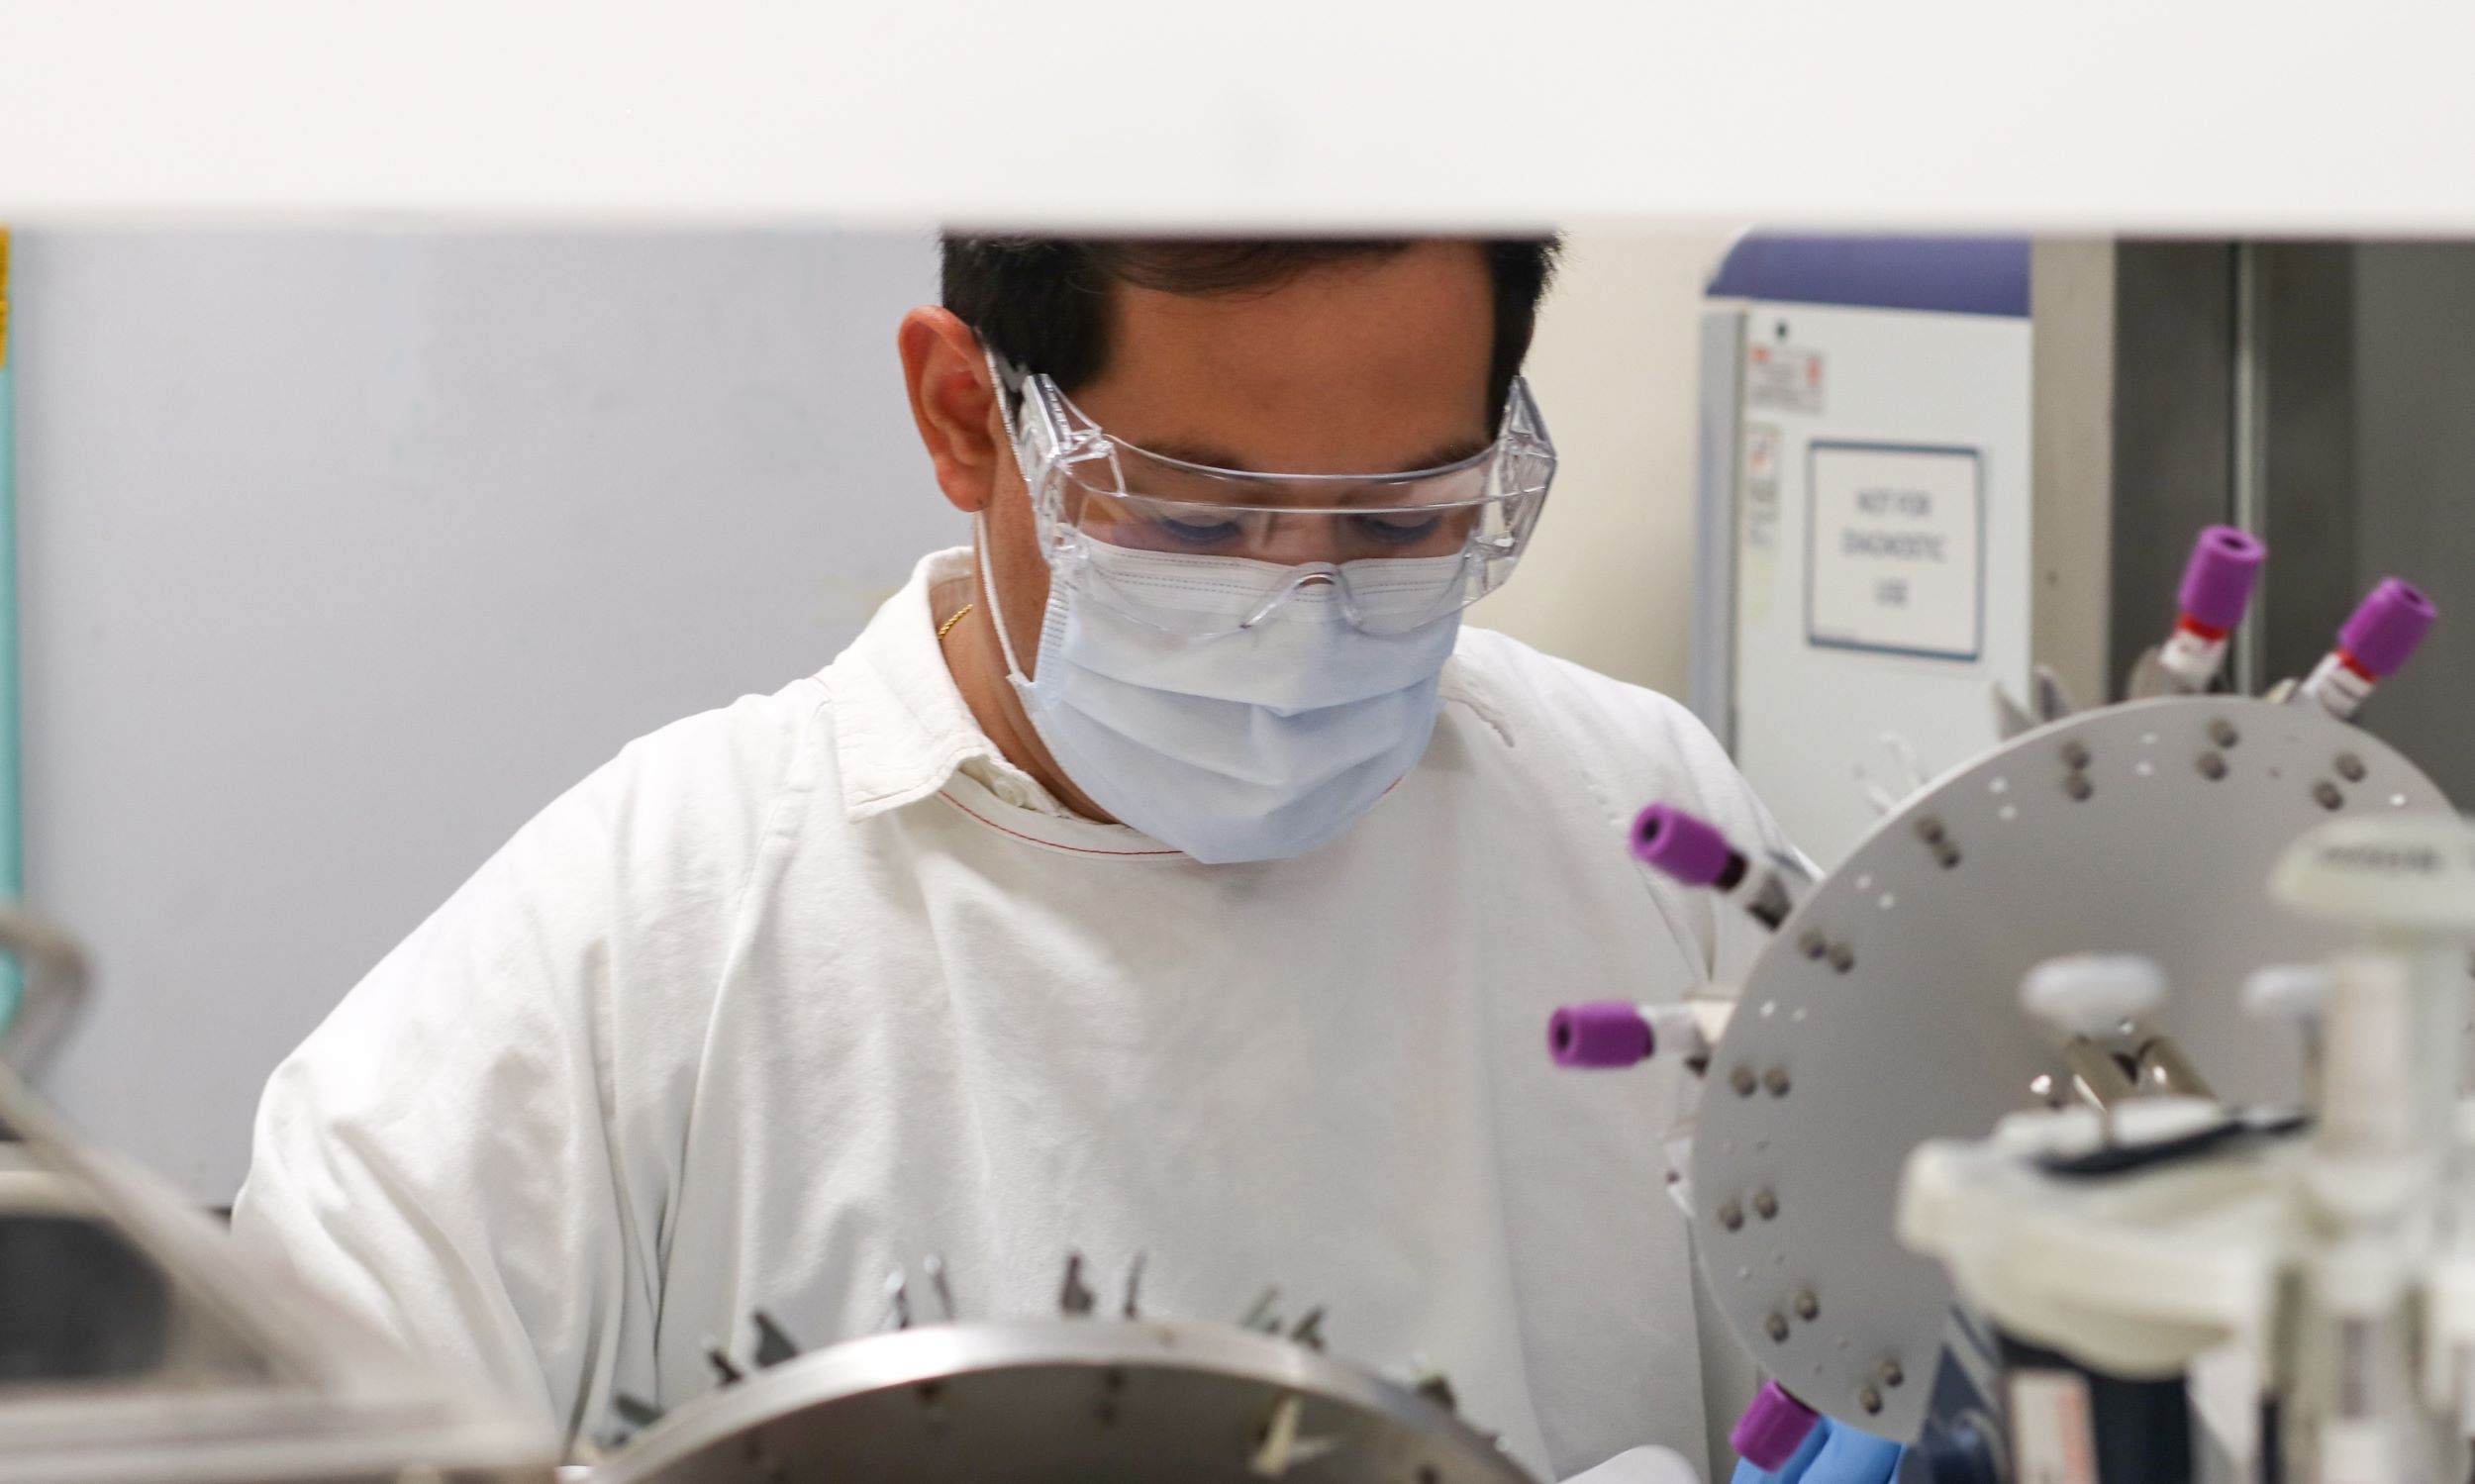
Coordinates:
(1864, 573)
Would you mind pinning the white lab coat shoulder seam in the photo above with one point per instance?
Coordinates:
(797, 781)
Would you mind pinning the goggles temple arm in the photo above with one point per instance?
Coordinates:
(1010, 382)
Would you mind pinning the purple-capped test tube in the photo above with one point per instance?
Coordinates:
(1691, 851)
(1771, 1430)
(1617, 1032)
(2217, 587)
(2375, 643)
(1602, 1033)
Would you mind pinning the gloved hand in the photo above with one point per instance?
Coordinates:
(1833, 1455)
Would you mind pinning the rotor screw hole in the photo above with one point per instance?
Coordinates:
(1743, 1081)
(1892, 1375)
(1807, 1307)
(2078, 787)
(2222, 733)
(2074, 756)
(1765, 1205)
(1870, 1400)
(2327, 795)
(1843, 958)
(1732, 1217)
(1776, 1079)
(2351, 769)
(2211, 766)
(1776, 1327)
(1812, 946)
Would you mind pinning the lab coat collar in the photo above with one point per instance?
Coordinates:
(901, 727)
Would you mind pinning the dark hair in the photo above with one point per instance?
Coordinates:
(1043, 302)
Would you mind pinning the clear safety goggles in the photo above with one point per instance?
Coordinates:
(1201, 551)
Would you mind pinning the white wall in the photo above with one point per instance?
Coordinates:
(343, 555)
(1607, 579)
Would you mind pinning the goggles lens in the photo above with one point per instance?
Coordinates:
(1202, 551)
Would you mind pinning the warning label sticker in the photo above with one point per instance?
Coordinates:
(1783, 378)
(1761, 486)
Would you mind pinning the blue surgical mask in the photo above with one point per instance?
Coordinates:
(1252, 745)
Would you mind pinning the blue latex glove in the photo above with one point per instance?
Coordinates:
(1833, 1455)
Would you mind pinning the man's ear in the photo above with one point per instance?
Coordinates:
(954, 405)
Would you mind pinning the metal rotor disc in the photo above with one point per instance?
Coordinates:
(1886, 1011)
(1051, 1401)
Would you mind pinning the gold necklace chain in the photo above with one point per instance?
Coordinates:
(960, 614)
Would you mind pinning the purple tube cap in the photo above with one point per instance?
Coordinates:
(1602, 1033)
(2387, 627)
(1772, 1428)
(2217, 584)
(1674, 842)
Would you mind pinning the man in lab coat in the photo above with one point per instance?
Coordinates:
(1170, 873)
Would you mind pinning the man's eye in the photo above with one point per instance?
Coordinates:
(1398, 530)
(1198, 533)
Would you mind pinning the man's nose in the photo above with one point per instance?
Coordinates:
(1298, 540)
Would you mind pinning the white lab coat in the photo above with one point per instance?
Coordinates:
(787, 996)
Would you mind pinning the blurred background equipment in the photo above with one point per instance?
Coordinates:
(2056, 416)
(136, 1349)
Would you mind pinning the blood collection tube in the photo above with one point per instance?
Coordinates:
(1773, 1428)
(1694, 852)
(2374, 643)
(1620, 1033)
(1602, 1033)
(2217, 587)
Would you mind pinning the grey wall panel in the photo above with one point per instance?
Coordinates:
(2310, 500)
(2173, 406)
(2415, 492)
(345, 553)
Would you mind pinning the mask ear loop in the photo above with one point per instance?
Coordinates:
(988, 589)
(997, 384)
